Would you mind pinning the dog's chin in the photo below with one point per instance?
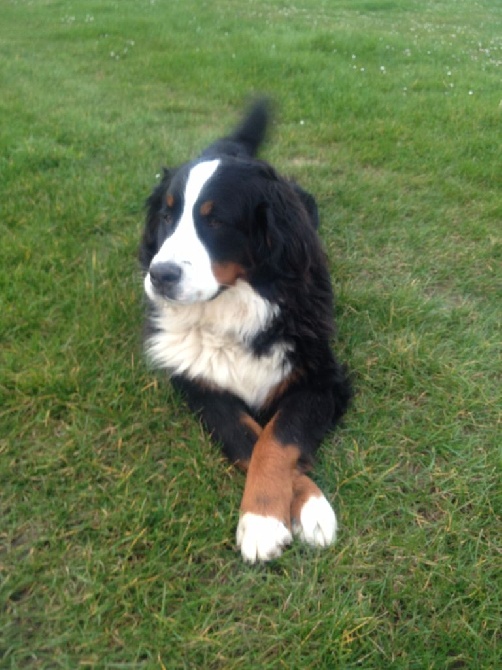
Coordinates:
(196, 298)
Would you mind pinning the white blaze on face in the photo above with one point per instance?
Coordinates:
(184, 247)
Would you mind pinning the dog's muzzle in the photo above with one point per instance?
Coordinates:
(173, 281)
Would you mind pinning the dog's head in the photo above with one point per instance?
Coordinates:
(218, 220)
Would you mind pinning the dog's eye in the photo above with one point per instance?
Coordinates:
(166, 218)
(165, 226)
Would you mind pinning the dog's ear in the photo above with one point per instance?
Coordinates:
(154, 207)
(309, 203)
(282, 232)
(268, 241)
(265, 236)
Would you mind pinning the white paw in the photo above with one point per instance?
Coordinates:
(317, 524)
(261, 538)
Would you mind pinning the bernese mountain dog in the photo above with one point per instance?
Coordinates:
(240, 316)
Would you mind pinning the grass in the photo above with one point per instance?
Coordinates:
(117, 514)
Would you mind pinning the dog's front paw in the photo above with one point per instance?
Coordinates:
(261, 538)
(317, 523)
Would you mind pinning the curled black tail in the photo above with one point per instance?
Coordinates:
(247, 137)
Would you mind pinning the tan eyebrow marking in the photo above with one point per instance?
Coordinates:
(206, 207)
(170, 200)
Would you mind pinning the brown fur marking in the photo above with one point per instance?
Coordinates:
(226, 274)
(269, 482)
(250, 423)
(206, 208)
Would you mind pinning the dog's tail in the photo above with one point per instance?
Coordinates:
(251, 132)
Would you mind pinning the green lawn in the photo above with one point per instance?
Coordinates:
(117, 515)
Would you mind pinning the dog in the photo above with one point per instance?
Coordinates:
(240, 316)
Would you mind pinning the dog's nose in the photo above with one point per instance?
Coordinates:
(163, 274)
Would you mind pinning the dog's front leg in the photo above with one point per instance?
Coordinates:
(265, 523)
(278, 495)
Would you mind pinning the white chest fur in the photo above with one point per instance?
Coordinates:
(210, 341)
